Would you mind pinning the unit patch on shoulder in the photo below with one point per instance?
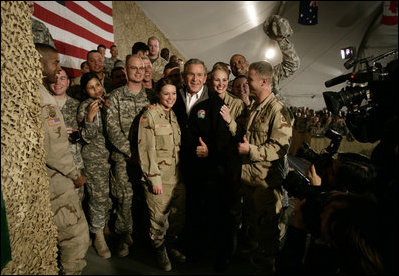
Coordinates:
(201, 114)
(51, 111)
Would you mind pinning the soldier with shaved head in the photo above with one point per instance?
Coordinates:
(64, 176)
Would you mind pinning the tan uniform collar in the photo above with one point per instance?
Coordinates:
(265, 101)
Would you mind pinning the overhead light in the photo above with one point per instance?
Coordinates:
(251, 13)
(270, 53)
(347, 53)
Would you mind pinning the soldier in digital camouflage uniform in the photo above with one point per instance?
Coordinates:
(278, 29)
(41, 34)
(69, 109)
(268, 136)
(95, 156)
(69, 218)
(158, 148)
(126, 103)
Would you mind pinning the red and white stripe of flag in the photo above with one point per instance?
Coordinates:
(76, 27)
(390, 13)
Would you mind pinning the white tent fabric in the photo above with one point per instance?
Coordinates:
(215, 30)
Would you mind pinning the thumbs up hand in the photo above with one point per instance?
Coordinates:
(202, 150)
(314, 178)
(243, 148)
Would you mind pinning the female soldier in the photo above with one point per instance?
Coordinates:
(233, 106)
(158, 147)
(95, 157)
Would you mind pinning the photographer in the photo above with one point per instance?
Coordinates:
(350, 178)
(95, 156)
(350, 172)
(386, 159)
(345, 241)
(350, 231)
(371, 99)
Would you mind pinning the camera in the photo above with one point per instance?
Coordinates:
(324, 159)
(316, 199)
(75, 137)
(100, 103)
(298, 185)
(370, 96)
(103, 101)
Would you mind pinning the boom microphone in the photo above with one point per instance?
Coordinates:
(338, 80)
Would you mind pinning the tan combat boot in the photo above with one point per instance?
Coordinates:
(177, 255)
(124, 243)
(101, 246)
(162, 258)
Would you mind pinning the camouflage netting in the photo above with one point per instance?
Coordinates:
(24, 183)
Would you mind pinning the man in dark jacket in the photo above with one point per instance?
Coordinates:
(206, 153)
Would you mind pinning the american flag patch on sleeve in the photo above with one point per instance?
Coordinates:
(53, 122)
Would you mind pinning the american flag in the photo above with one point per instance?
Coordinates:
(76, 27)
(390, 13)
(308, 12)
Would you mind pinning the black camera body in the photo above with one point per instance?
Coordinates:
(296, 183)
(103, 102)
(75, 137)
(370, 97)
(324, 159)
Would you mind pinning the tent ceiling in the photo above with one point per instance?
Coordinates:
(215, 30)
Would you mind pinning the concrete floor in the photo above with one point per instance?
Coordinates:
(141, 261)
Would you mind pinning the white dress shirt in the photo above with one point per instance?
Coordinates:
(191, 100)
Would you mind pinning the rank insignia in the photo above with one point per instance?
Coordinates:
(201, 114)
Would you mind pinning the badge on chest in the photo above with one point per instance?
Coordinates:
(201, 114)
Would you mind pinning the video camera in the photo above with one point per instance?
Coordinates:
(324, 159)
(370, 96)
(298, 185)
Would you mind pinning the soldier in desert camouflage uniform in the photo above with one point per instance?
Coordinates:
(69, 109)
(158, 63)
(126, 103)
(69, 218)
(158, 148)
(268, 135)
(95, 156)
